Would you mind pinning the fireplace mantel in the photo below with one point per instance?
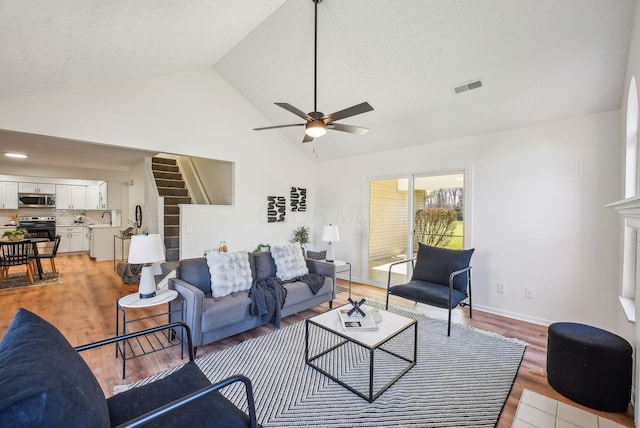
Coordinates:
(629, 209)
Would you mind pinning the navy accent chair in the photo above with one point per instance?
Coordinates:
(441, 278)
(45, 382)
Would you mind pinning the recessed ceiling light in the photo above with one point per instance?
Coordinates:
(16, 155)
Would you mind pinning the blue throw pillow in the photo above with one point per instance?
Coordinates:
(44, 381)
(265, 266)
(317, 255)
(435, 264)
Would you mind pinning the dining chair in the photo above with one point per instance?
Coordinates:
(16, 253)
(49, 251)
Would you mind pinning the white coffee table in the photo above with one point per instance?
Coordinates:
(373, 342)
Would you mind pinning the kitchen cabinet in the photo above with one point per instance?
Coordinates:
(9, 195)
(103, 195)
(72, 239)
(37, 188)
(70, 197)
(102, 243)
(92, 201)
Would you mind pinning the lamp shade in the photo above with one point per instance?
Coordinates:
(146, 249)
(330, 233)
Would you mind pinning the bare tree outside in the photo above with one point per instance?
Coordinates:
(435, 226)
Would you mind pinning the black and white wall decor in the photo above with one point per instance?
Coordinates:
(298, 199)
(276, 209)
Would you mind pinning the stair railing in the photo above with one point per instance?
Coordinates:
(192, 181)
(154, 204)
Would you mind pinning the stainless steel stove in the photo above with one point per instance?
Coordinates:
(39, 226)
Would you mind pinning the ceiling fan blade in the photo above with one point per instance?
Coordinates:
(294, 110)
(278, 126)
(348, 112)
(307, 139)
(348, 128)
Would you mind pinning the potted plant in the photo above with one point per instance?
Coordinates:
(301, 235)
(15, 235)
(262, 248)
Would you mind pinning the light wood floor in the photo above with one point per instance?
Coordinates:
(83, 308)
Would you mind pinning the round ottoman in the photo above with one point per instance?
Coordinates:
(590, 366)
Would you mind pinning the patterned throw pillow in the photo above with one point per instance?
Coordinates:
(289, 261)
(230, 272)
(317, 255)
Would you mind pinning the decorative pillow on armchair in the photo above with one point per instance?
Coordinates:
(230, 272)
(289, 261)
(317, 255)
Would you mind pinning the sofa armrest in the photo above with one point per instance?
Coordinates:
(177, 404)
(321, 267)
(192, 304)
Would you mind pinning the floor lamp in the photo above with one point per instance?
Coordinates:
(146, 250)
(330, 234)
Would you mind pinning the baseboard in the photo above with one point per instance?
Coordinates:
(514, 315)
(495, 311)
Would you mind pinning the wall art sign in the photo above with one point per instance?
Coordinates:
(298, 199)
(276, 209)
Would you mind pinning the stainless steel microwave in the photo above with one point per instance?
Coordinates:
(33, 200)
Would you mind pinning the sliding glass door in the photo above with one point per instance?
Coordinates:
(403, 211)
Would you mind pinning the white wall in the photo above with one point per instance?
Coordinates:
(195, 113)
(537, 214)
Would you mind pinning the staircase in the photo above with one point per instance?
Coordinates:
(172, 187)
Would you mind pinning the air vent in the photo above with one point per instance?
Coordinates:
(467, 86)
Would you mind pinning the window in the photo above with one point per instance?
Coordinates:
(403, 211)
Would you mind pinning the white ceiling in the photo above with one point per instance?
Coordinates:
(538, 60)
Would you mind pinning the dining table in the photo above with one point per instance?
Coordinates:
(34, 242)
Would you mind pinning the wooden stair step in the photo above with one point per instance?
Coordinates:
(166, 161)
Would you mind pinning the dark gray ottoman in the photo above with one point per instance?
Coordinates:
(590, 366)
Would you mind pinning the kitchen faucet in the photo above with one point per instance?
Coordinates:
(107, 212)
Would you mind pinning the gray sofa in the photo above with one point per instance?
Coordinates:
(212, 319)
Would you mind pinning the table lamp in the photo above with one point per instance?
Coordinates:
(330, 234)
(146, 250)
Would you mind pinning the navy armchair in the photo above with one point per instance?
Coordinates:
(45, 382)
(441, 278)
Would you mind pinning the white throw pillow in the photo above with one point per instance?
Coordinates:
(230, 272)
(289, 261)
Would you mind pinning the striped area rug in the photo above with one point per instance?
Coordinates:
(458, 381)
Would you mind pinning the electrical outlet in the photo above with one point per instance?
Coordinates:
(529, 293)
(189, 229)
(500, 288)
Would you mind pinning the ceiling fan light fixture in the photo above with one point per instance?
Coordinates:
(315, 128)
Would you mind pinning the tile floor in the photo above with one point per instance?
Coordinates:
(535, 410)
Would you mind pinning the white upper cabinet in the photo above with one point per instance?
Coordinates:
(37, 188)
(92, 198)
(9, 195)
(103, 198)
(70, 197)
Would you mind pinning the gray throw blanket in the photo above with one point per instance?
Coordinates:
(267, 299)
(313, 280)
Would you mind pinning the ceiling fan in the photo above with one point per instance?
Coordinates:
(317, 123)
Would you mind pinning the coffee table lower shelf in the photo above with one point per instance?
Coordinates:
(371, 350)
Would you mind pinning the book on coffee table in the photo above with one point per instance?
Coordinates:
(356, 321)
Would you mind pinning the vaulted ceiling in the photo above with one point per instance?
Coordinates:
(537, 60)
